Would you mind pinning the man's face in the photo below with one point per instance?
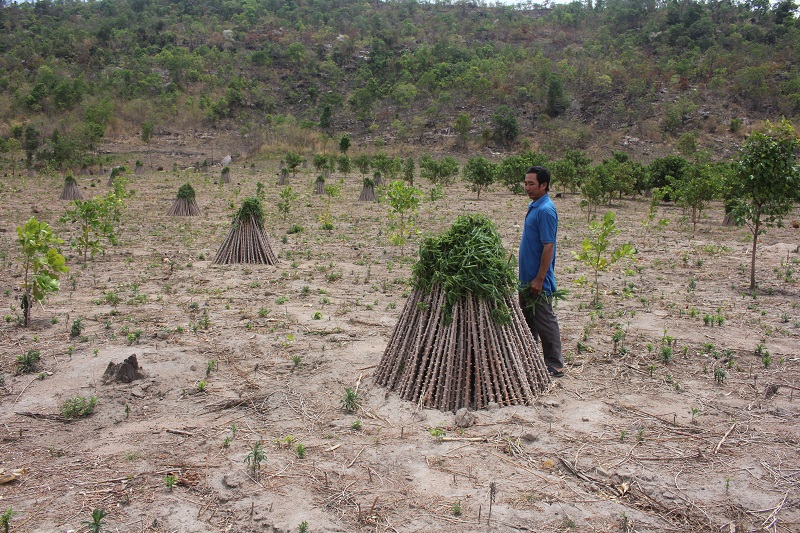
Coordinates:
(533, 189)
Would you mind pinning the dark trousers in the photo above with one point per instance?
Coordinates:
(544, 326)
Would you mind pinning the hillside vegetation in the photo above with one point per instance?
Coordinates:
(650, 78)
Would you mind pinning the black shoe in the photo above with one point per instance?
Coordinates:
(555, 373)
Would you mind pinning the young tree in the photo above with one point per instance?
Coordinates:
(596, 251)
(345, 164)
(511, 170)
(571, 170)
(344, 144)
(403, 203)
(12, 146)
(479, 173)
(765, 184)
(293, 161)
(363, 162)
(701, 184)
(41, 263)
(408, 171)
(440, 172)
(92, 217)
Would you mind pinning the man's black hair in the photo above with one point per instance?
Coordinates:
(542, 175)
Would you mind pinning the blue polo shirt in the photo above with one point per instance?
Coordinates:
(541, 227)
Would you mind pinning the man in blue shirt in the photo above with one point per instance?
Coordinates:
(537, 261)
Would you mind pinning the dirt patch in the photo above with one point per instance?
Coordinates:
(702, 436)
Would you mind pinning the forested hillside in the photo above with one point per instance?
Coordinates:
(657, 77)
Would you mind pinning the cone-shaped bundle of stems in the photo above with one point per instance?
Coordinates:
(377, 179)
(319, 187)
(367, 191)
(185, 204)
(462, 340)
(284, 177)
(246, 241)
(225, 176)
(70, 191)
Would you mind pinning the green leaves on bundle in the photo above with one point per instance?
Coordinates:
(186, 192)
(251, 208)
(469, 258)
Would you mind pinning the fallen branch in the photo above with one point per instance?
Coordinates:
(357, 456)
(725, 436)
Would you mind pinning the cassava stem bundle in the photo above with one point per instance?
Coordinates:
(461, 340)
(185, 204)
(246, 241)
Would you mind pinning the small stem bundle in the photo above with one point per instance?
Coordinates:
(246, 241)
(70, 191)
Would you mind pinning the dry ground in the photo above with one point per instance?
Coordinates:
(624, 442)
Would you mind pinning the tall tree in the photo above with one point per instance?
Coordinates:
(766, 182)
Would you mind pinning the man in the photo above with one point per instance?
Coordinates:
(537, 260)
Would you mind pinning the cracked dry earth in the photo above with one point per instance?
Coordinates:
(629, 440)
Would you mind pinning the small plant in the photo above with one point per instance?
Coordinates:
(763, 353)
(78, 407)
(287, 197)
(317, 315)
(28, 363)
(281, 300)
(201, 386)
(254, 459)
(300, 451)
(351, 401)
(297, 360)
(303, 527)
(666, 354)
(694, 411)
(437, 433)
(457, 510)
(623, 435)
(170, 480)
(5, 520)
(356, 425)
(210, 367)
(76, 329)
(95, 525)
(133, 337)
(720, 376)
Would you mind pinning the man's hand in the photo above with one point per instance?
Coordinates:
(536, 286)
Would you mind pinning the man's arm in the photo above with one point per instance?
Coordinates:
(544, 266)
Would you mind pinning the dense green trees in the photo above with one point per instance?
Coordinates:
(396, 68)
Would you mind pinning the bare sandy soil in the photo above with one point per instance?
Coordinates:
(626, 441)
